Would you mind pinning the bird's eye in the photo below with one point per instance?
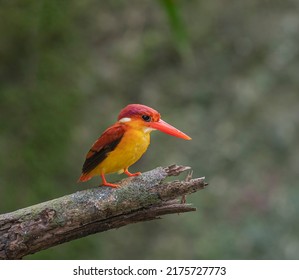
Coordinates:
(146, 118)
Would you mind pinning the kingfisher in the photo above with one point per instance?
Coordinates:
(123, 143)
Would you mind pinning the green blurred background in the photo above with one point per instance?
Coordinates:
(224, 72)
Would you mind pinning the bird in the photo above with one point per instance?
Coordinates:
(123, 143)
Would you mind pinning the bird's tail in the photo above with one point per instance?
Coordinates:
(84, 177)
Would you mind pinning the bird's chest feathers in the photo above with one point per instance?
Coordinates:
(134, 143)
(131, 147)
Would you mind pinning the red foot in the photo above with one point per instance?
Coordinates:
(115, 186)
(126, 171)
(105, 183)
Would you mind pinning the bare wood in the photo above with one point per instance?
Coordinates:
(89, 211)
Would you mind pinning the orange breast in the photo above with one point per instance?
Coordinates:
(132, 146)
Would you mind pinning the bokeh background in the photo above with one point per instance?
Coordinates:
(224, 72)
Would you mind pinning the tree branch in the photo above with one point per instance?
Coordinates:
(53, 222)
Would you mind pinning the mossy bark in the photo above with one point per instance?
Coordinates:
(85, 212)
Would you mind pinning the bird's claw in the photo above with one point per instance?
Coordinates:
(131, 174)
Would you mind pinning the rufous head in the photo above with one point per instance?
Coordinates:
(149, 119)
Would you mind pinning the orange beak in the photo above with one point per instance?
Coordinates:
(168, 129)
